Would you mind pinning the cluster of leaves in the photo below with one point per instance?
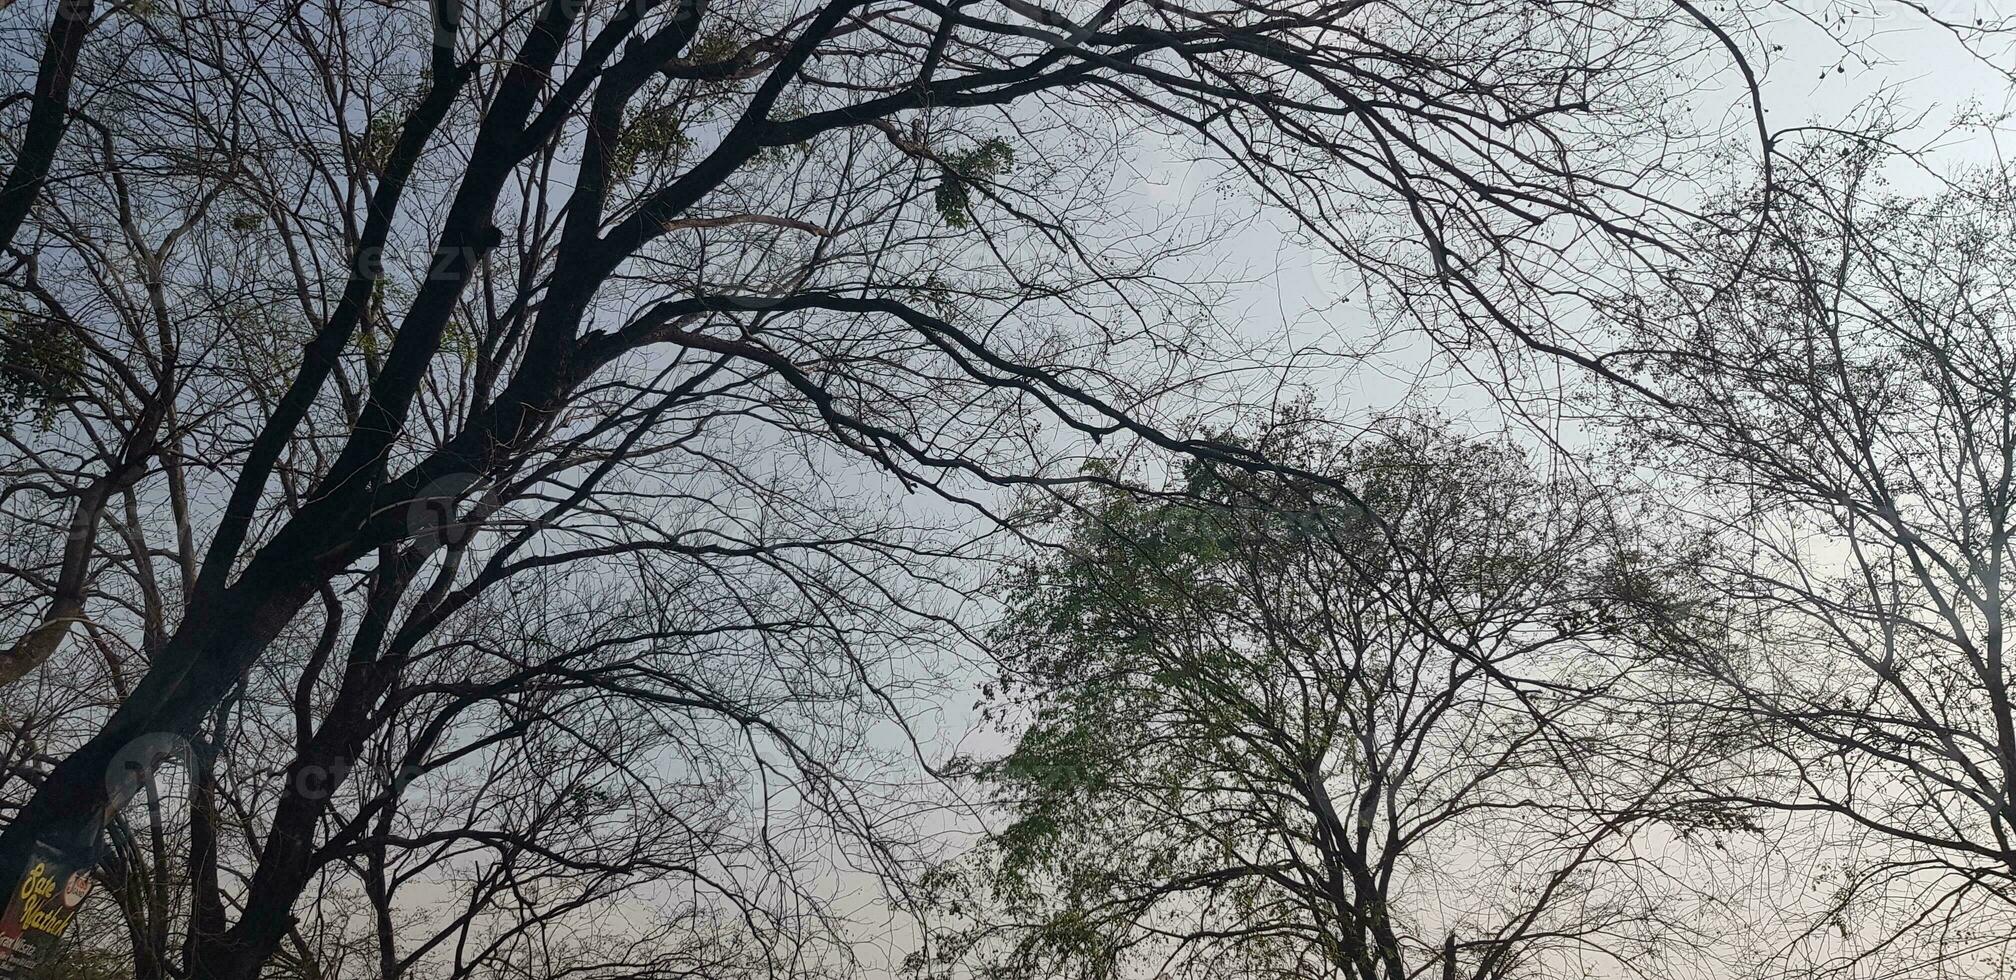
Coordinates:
(380, 137)
(714, 47)
(40, 364)
(954, 196)
(653, 136)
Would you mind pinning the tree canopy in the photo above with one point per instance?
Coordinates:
(511, 487)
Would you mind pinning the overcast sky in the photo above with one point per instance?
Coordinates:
(1297, 299)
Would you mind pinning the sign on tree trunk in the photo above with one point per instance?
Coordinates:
(39, 909)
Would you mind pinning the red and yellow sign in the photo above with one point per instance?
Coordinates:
(39, 909)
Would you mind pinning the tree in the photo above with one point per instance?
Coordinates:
(351, 325)
(1268, 737)
(1841, 421)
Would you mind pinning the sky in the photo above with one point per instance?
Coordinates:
(1294, 296)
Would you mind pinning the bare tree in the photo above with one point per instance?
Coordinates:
(353, 324)
(1840, 424)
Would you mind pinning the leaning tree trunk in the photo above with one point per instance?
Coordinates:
(47, 117)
